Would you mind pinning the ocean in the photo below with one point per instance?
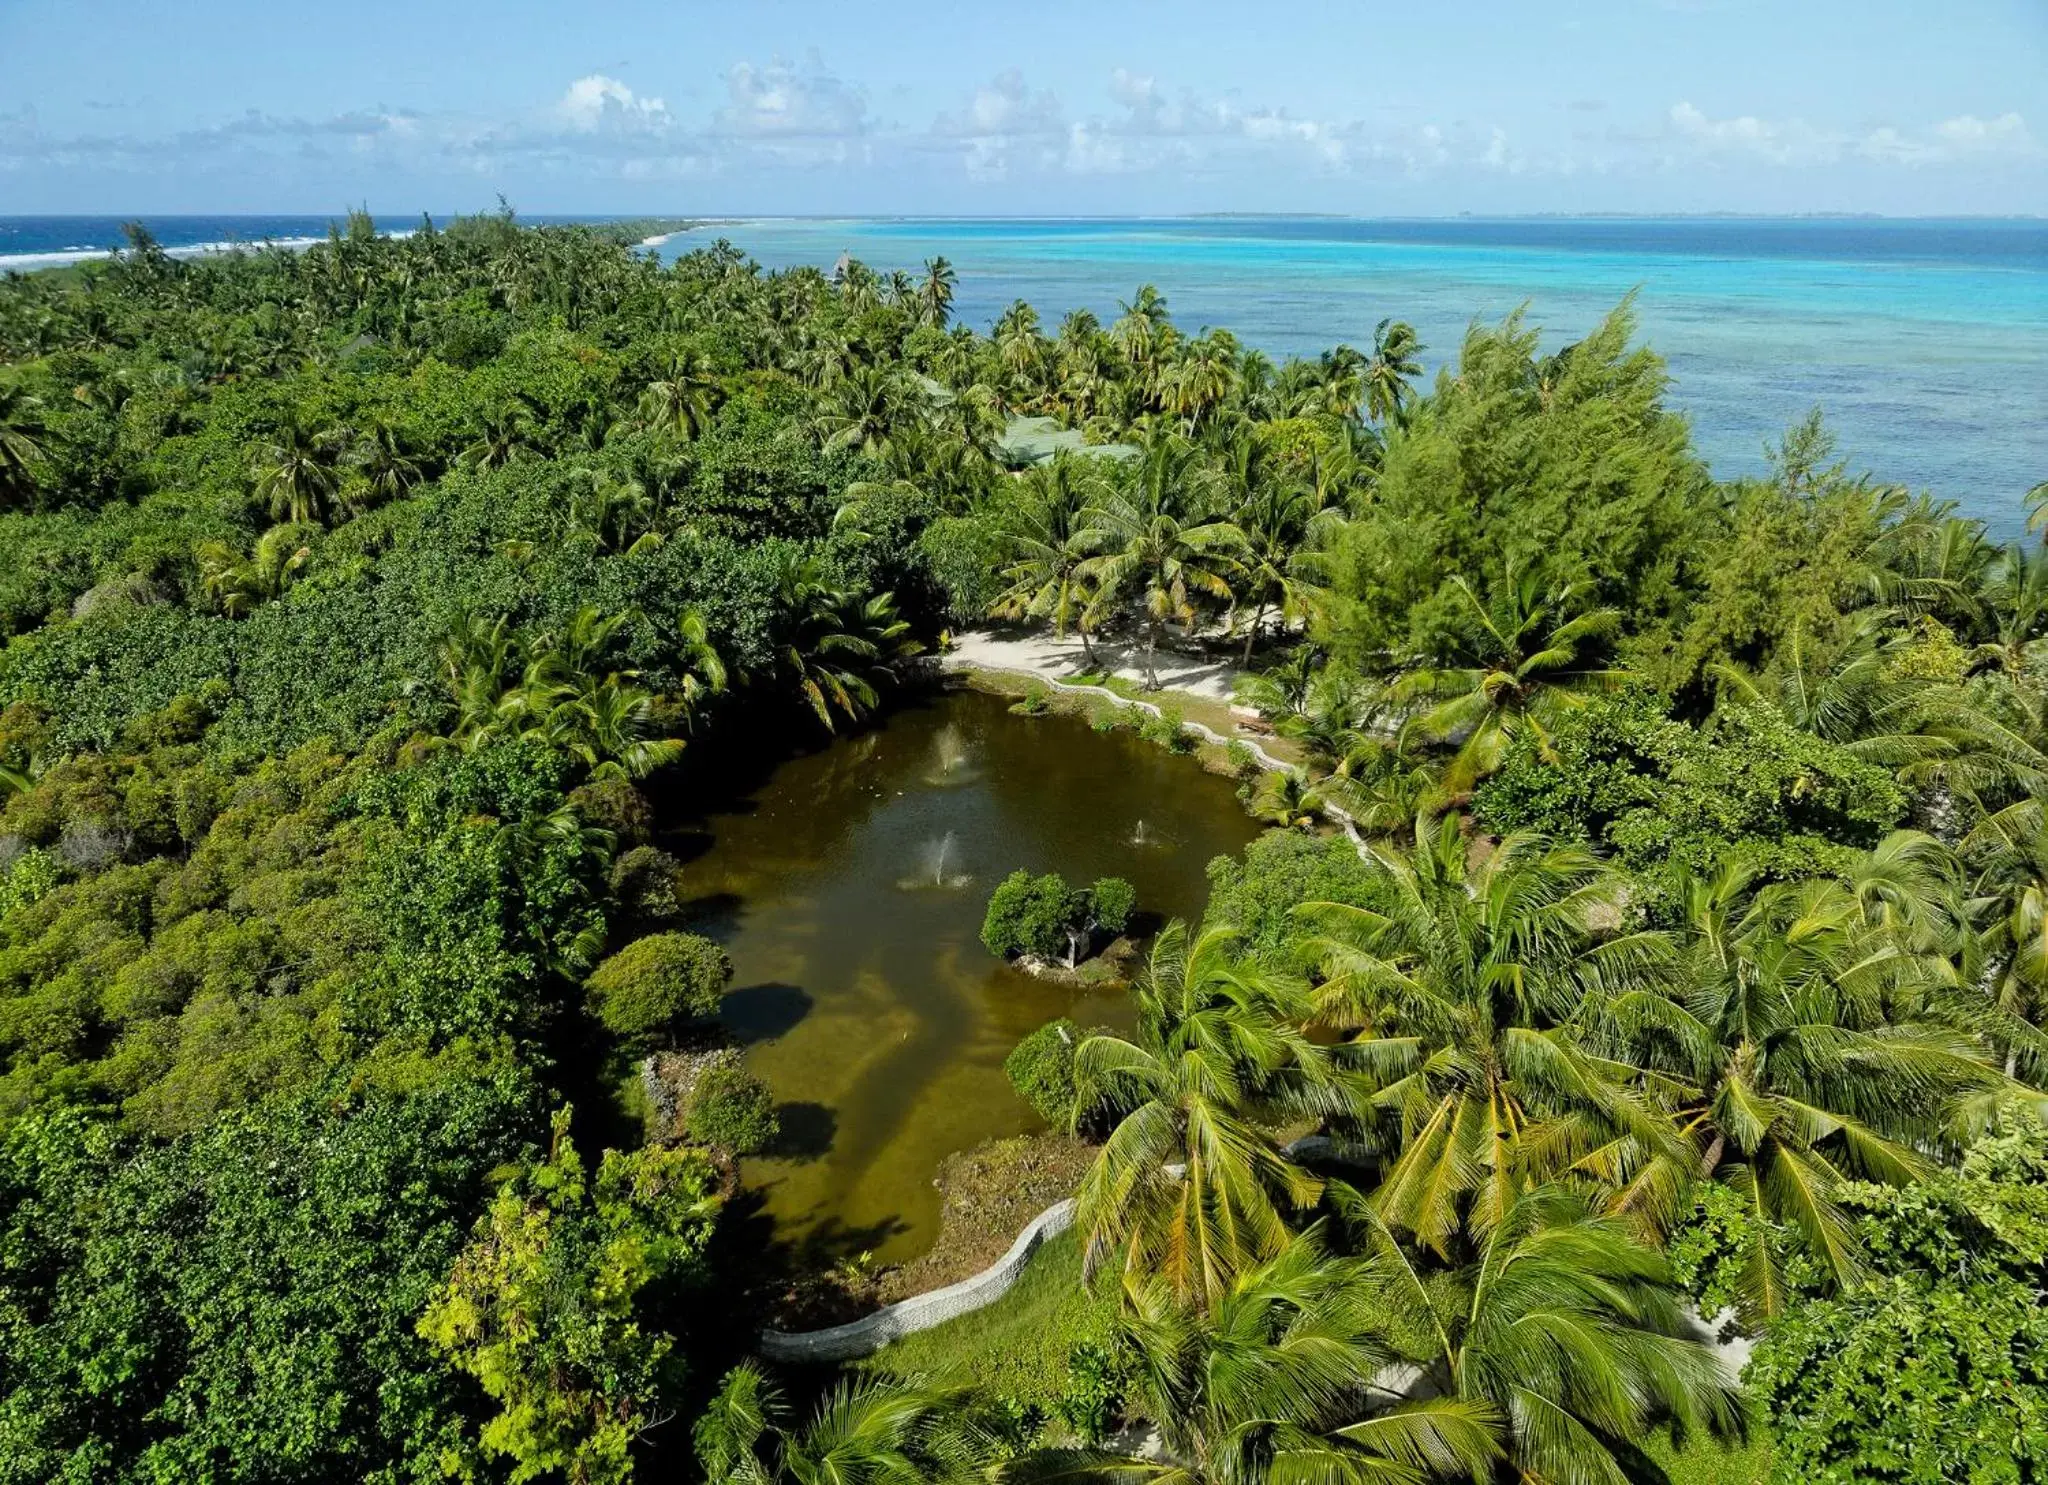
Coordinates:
(1925, 343)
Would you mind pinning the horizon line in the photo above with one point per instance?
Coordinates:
(712, 218)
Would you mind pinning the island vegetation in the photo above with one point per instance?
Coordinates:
(1656, 925)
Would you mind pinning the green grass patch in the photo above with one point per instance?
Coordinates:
(1018, 1346)
(1705, 1462)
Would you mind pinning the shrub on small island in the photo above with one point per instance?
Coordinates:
(1041, 1069)
(1110, 903)
(656, 981)
(731, 1108)
(1045, 917)
(1030, 915)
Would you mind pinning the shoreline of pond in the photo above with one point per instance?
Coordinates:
(863, 997)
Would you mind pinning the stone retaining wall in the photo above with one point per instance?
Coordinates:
(921, 1311)
(870, 1333)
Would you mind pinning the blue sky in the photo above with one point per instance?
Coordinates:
(801, 106)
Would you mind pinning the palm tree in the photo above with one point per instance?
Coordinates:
(1203, 378)
(1283, 566)
(2015, 608)
(239, 584)
(617, 514)
(476, 660)
(1153, 537)
(935, 294)
(1048, 534)
(868, 405)
(1020, 347)
(1285, 797)
(1462, 987)
(1380, 786)
(703, 670)
(385, 461)
(859, 288)
(874, 1431)
(1849, 693)
(1794, 1051)
(1282, 690)
(558, 687)
(1190, 1189)
(1522, 662)
(1137, 332)
(1564, 1325)
(1333, 385)
(2011, 891)
(610, 723)
(2036, 501)
(1394, 364)
(684, 397)
(1274, 1384)
(504, 435)
(23, 445)
(295, 473)
(835, 645)
(1985, 743)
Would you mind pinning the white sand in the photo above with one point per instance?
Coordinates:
(1041, 654)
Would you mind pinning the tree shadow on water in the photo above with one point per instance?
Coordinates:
(826, 1244)
(716, 915)
(807, 1131)
(760, 1013)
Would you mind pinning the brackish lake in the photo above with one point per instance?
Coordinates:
(848, 885)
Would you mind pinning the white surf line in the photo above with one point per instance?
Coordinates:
(64, 257)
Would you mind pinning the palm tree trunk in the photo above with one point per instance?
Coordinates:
(1711, 1161)
(1151, 656)
(1258, 618)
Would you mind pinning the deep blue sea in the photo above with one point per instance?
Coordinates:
(1924, 342)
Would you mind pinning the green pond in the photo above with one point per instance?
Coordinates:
(848, 885)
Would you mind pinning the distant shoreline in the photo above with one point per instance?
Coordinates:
(46, 258)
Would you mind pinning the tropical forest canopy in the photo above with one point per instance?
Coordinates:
(1685, 937)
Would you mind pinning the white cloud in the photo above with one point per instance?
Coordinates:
(779, 115)
(1796, 142)
(1002, 122)
(1141, 95)
(1968, 134)
(1786, 143)
(787, 102)
(593, 102)
(1005, 106)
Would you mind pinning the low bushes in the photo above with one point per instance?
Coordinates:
(1041, 1069)
(656, 981)
(731, 1108)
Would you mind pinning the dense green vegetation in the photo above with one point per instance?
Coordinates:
(1045, 918)
(1685, 940)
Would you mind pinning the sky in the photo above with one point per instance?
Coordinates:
(755, 107)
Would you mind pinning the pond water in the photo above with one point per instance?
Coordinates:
(849, 885)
